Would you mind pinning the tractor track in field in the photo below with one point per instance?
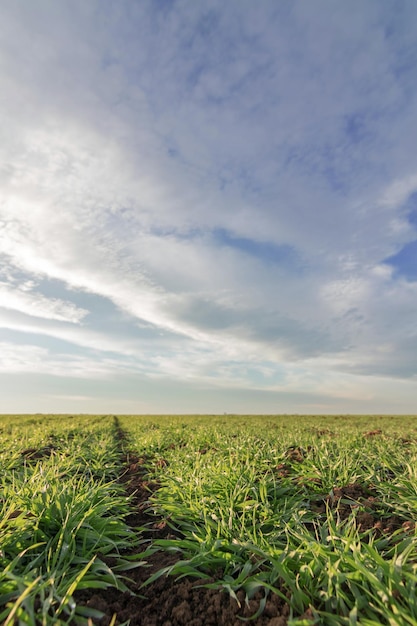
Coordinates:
(168, 601)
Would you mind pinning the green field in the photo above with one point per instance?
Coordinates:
(294, 520)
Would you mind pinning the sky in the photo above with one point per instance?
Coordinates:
(208, 207)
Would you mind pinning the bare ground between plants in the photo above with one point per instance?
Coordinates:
(183, 602)
(167, 601)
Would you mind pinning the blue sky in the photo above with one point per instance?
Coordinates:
(208, 207)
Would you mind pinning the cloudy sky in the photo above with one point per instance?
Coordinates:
(208, 206)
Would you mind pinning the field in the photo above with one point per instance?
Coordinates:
(208, 520)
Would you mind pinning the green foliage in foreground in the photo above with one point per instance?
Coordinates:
(258, 503)
(254, 501)
(61, 513)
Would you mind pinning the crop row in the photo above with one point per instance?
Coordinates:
(316, 512)
(61, 518)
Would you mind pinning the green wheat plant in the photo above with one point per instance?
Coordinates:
(253, 503)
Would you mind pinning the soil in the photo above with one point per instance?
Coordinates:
(373, 433)
(364, 501)
(183, 602)
(34, 454)
(169, 601)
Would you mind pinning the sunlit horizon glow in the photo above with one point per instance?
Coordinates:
(208, 207)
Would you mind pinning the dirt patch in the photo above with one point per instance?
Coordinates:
(282, 470)
(323, 432)
(362, 500)
(208, 449)
(373, 433)
(35, 454)
(169, 601)
(182, 603)
(139, 488)
(407, 441)
(297, 454)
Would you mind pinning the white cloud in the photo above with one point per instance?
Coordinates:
(83, 337)
(123, 156)
(22, 298)
(398, 191)
(37, 360)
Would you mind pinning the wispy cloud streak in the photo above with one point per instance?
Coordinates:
(219, 194)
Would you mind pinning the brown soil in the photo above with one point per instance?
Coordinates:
(283, 470)
(373, 433)
(297, 454)
(34, 454)
(139, 488)
(355, 497)
(323, 432)
(169, 601)
(182, 602)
